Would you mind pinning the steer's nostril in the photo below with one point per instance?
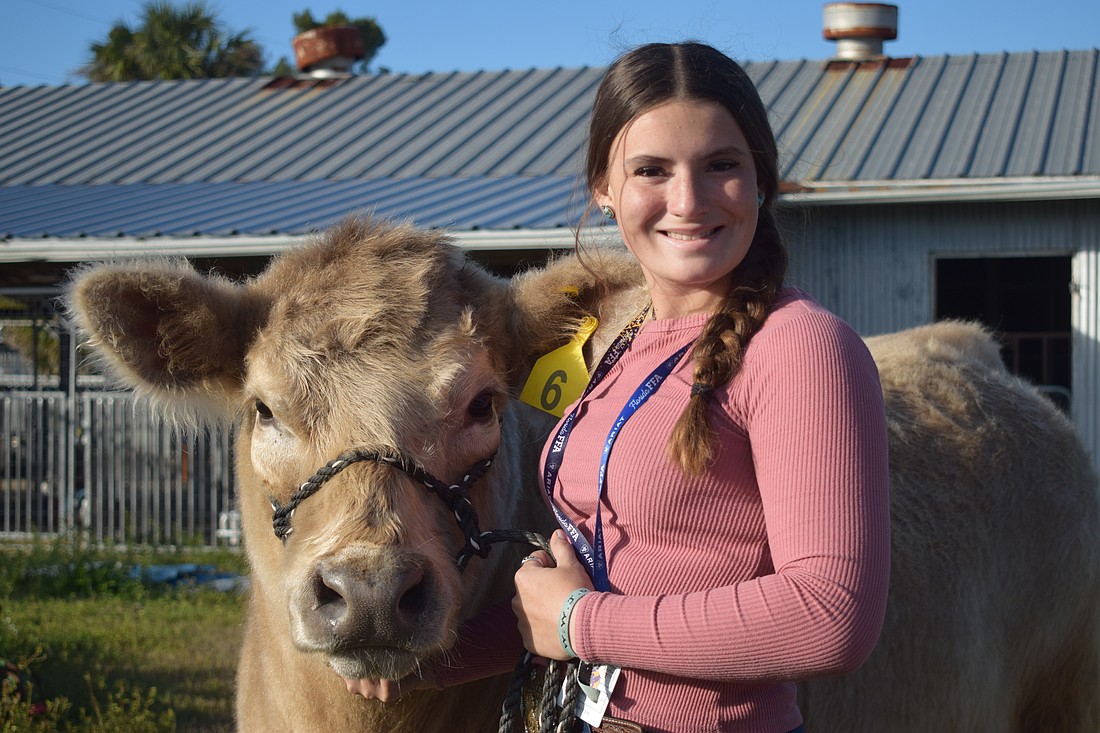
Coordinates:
(330, 606)
(413, 601)
(325, 594)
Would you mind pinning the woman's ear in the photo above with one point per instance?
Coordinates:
(601, 194)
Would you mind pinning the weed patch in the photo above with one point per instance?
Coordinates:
(105, 651)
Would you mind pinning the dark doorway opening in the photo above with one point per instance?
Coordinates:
(1026, 300)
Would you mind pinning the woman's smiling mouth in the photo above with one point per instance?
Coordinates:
(691, 237)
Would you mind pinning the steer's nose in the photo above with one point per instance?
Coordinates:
(358, 606)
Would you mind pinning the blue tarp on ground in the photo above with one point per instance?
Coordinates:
(188, 574)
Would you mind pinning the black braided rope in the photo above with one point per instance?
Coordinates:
(282, 513)
(554, 675)
(494, 536)
(455, 496)
(551, 717)
(550, 685)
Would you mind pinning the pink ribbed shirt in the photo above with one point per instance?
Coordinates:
(772, 566)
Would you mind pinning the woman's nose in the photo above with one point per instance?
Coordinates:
(687, 196)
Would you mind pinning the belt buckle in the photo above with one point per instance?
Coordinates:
(617, 725)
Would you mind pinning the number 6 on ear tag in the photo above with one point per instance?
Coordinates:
(558, 378)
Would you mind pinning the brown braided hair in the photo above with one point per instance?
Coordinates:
(635, 83)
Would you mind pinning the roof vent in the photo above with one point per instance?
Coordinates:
(860, 28)
(328, 51)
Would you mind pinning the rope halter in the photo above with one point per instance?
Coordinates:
(457, 499)
(455, 496)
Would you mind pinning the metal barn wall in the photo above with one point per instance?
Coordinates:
(1086, 342)
(874, 266)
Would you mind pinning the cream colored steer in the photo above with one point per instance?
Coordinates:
(375, 339)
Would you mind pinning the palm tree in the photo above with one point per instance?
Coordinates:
(186, 42)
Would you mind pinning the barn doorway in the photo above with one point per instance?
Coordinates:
(1026, 300)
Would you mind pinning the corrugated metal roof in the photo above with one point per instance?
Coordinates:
(463, 125)
(501, 150)
(270, 207)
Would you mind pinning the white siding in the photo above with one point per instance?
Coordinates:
(1086, 346)
(874, 266)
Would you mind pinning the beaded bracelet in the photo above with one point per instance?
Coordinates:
(563, 620)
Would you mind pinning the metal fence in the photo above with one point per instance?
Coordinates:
(101, 464)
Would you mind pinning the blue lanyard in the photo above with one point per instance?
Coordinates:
(595, 557)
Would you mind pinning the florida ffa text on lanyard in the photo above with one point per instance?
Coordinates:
(593, 554)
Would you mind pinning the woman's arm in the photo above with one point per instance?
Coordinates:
(812, 408)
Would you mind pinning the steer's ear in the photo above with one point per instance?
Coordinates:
(167, 331)
(550, 303)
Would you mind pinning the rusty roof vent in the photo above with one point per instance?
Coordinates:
(328, 51)
(860, 28)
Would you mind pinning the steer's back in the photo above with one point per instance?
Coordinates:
(992, 618)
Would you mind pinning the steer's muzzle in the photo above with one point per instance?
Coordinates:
(373, 615)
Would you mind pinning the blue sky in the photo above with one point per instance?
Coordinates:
(45, 41)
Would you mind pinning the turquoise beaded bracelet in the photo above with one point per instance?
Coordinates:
(563, 620)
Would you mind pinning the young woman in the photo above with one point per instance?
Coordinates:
(723, 480)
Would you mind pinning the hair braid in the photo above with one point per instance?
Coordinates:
(719, 352)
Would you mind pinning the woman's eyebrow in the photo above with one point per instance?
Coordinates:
(652, 159)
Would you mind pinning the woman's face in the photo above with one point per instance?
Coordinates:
(682, 182)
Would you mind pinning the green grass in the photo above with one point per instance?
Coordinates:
(112, 653)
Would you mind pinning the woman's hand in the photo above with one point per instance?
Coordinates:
(541, 589)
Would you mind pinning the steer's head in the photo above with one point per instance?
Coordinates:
(375, 337)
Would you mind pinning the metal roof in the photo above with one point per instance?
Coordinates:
(502, 150)
(270, 207)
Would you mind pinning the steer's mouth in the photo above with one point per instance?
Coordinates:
(389, 663)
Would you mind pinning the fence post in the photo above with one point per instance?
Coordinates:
(70, 428)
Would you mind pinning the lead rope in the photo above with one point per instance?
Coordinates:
(457, 499)
(557, 673)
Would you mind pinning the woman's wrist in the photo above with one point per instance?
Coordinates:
(564, 618)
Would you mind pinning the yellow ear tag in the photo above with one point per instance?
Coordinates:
(558, 378)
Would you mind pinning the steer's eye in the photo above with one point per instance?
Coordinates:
(263, 411)
(481, 407)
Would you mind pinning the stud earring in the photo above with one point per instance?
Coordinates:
(608, 212)
(759, 200)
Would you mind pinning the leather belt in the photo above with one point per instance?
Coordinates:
(617, 725)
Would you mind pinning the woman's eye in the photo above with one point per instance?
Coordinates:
(723, 165)
(481, 407)
(263, 411)
(648, 171)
